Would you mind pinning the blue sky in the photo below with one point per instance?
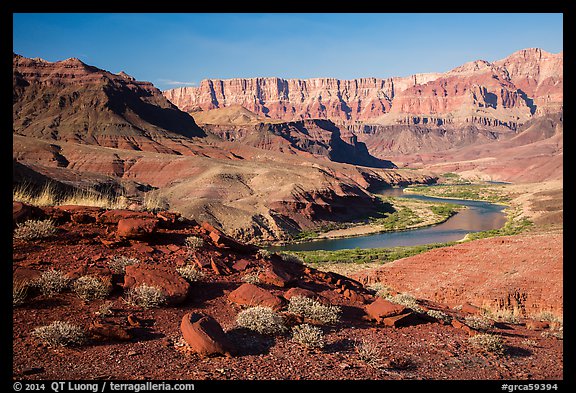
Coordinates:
(172, 50)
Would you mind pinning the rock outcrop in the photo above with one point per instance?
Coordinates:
(502, 94)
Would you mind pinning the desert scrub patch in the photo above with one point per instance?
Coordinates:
(291, 258)
(60, 333)
(146, 296)
(559, 335)
(488, 342)
(369, 352)
(90, 288)
(252, 277)
(191, 273)
(264, 254)
(35, 229)
(118, 263)
(19, 292)
(479, 323)
(314, 310)
(52, 282)
(380, 289)
(308, 336)
(261, 319)
(439, 315)
(406, 300)
(547, 316)
(194, 242)
(105, 309)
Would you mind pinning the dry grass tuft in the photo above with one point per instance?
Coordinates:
(19, 292)
(194, 242)
(118, 263)
(60, 333)
(35, 229)
(90, 288)
(191, 273)
(369, 352)
(261, 319)
(488, 342)
(52, 282)
(314, 310)
(406, 300)
(146, 296)
(309, 336)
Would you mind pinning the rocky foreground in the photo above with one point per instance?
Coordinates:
(195, 335)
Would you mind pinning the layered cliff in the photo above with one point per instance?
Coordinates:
(502, 94)
(72, 101)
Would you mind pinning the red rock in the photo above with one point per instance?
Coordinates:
(134, 228)
(22, 212)
(107, 331)
(134, 321)
(296, 291)
(241, 265)
(168, 217)
(471, 309)
(174, 287)
(537, 325)
(104, 273)
(459, 325)
(382, 308)
(115, 215)
(173, 247)
(142, 248)
(205, 335)
(252, 295)
(406, 319)
(275, 275)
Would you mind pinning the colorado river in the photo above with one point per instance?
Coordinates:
(479, 216)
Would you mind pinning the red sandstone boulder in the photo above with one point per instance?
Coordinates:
(174, 287)
(305, 293)
(537, 325)
(81, 214)
(115, 215)
(252, 295)
(460, 325)
(275, 275)
(205, 335)
(109, 331)
(382, 308)
(405, 319)
(135, 228)
(241, 265)
(471, 309)
(22, 212)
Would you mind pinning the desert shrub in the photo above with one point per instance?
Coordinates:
(314, 310)
(191, 273)
(35, 229)
(90, 288)
(60, 333)
(291, 258)
(440, 315)
(154, 202)
(503, 315)
(146, 296)
(118, 263)
(487, 342)
(479, 323)
(261, 319)
(547, 316)
(52, 282)
(308, 336)
(406, 300)
(557, 335)
(369, 352)
(19, 292)
(105, 309)
(252, 277)
(194, 242)
(264, 254)
(380, 289)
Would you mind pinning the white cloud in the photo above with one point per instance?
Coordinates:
(171, 82)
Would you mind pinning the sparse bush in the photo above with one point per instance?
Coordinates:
(154, 202)
(529, 343)
(19, 292)
(191, 273)
(504, 315)
(194, 242)
(308, 335)
(291, 258)
(441, 316)
(380, 289)
(261, 319)
(314, 310)
(252, 277)
(146, 296)
(557, 335)
(35, 229)
(547, 316)
(118, 263)
(479, 323)
(105, 309)
(264, 254)
(369, 352)
(406, 300)
(60, 333)
(488, 342)
(52, 282)
(90, 288)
